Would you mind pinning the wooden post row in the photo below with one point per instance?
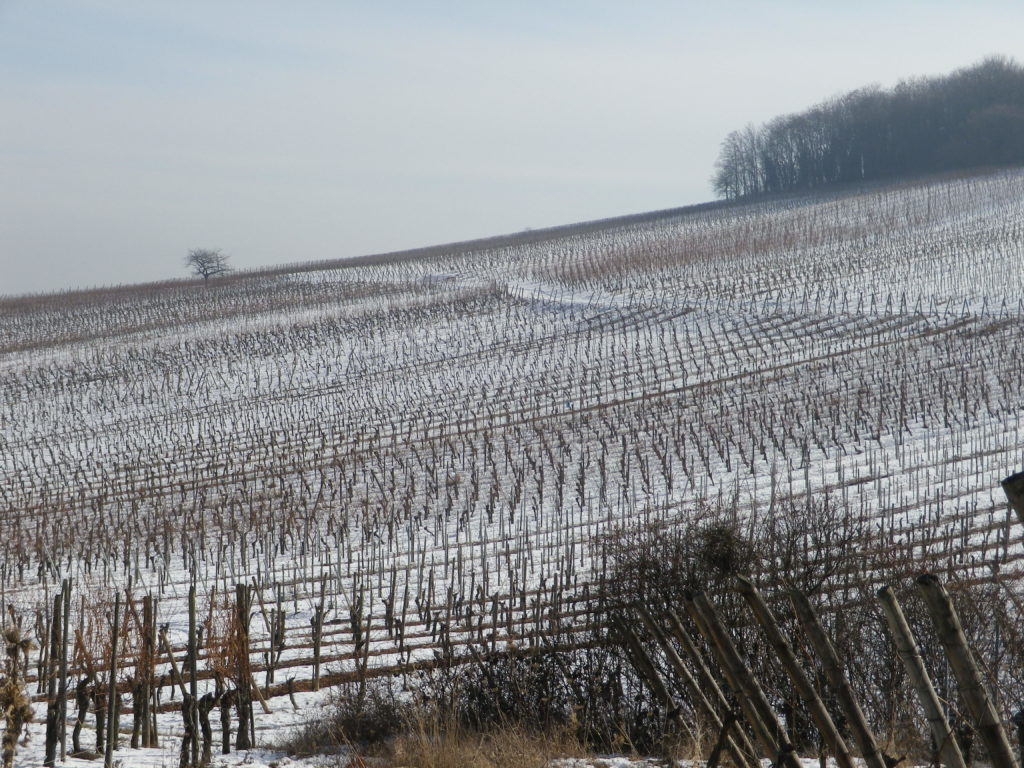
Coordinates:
(965, 669)
(908, 652)
(802, 684)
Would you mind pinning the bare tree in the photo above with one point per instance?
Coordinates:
(205, 262)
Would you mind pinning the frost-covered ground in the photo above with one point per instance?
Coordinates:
(436, 445)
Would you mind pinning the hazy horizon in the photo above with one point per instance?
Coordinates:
(135, 132)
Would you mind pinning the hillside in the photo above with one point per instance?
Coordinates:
(439, 443)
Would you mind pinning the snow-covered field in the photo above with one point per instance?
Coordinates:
(436, 445)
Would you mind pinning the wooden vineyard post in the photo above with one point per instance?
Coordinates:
(909, 653)
(961, 660)
(175, 673)
(193, 684)
(1018, 721)
(802, 684)
(1013, 487)
(837, 680)
(62, 693)
(693, 688)
(243, 606)
(768, 744)
(154, 736)
(52, 705)
(649, 674)
(112, 728)
(709, 684)
(138, 689)
(760, 715)
(146, 662)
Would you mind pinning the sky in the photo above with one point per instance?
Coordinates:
(132, 131)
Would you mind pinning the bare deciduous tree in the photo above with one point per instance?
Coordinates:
(206, 263)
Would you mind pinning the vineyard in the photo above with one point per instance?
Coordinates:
(397, 463)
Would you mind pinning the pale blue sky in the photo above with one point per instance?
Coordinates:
(131, 131)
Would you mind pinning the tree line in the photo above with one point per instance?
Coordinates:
(971, 117)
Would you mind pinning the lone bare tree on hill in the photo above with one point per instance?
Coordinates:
(205, 262)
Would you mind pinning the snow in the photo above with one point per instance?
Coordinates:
(453, 434)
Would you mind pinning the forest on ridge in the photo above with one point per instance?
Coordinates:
(970, 118)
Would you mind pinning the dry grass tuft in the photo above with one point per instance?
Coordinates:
(426, 745)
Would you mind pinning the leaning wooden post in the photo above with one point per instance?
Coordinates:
(108, 757)
(972, 689)
(175, 674)
(645, 667)
(1013, 487)
(749, 712)
(802, 684)
(1018, 721)
(762, 717)
(697, 695)
(909, 653)
(707, 680)
(836, 677)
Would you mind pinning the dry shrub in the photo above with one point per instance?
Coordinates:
(14, 704)
(223, 646)
(366, 723)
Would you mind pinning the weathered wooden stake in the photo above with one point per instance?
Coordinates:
(154, 697)
(52, 705)
(193, 686)
(112, 727)
(836, 677)
(697, 696)
(146, 672)
(762, 718)
(62, 692)
(709, 684)
(243, 606)
(175, 673)
(961, 660)
(909, 653)
(802, 684)
(649, 674)
(723, 739)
